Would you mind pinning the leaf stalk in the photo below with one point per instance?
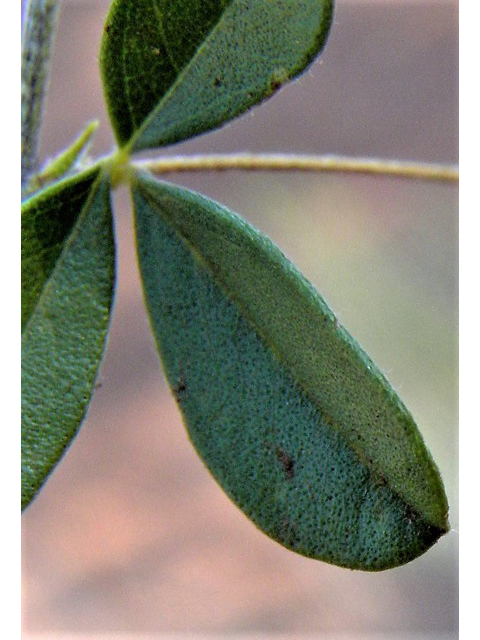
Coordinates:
(294, 162)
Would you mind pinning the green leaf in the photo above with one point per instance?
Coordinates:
(292, 418)
(68, 272)
(175, 68)
(64, 161)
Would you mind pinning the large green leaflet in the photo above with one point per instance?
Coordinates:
(68, 273)
(175, 68)
(290, 415)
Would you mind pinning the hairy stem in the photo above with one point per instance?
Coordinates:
(285, 162)
(40, 19)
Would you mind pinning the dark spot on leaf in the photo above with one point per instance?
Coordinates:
(381, 481)
(278, 78)
(410, 514)
(180, 388)
(286, 462)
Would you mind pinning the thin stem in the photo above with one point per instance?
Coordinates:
(40, 20)
(286, 162)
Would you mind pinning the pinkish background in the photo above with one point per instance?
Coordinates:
(131, 535)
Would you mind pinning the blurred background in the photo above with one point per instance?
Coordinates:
(131, 535)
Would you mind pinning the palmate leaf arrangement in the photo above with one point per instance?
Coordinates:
(289, 414)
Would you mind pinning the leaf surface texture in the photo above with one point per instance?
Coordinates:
(175, 68)
(68, 272)
(290, 415)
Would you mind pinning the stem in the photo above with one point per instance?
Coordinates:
(40, 20)
(284, 162)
